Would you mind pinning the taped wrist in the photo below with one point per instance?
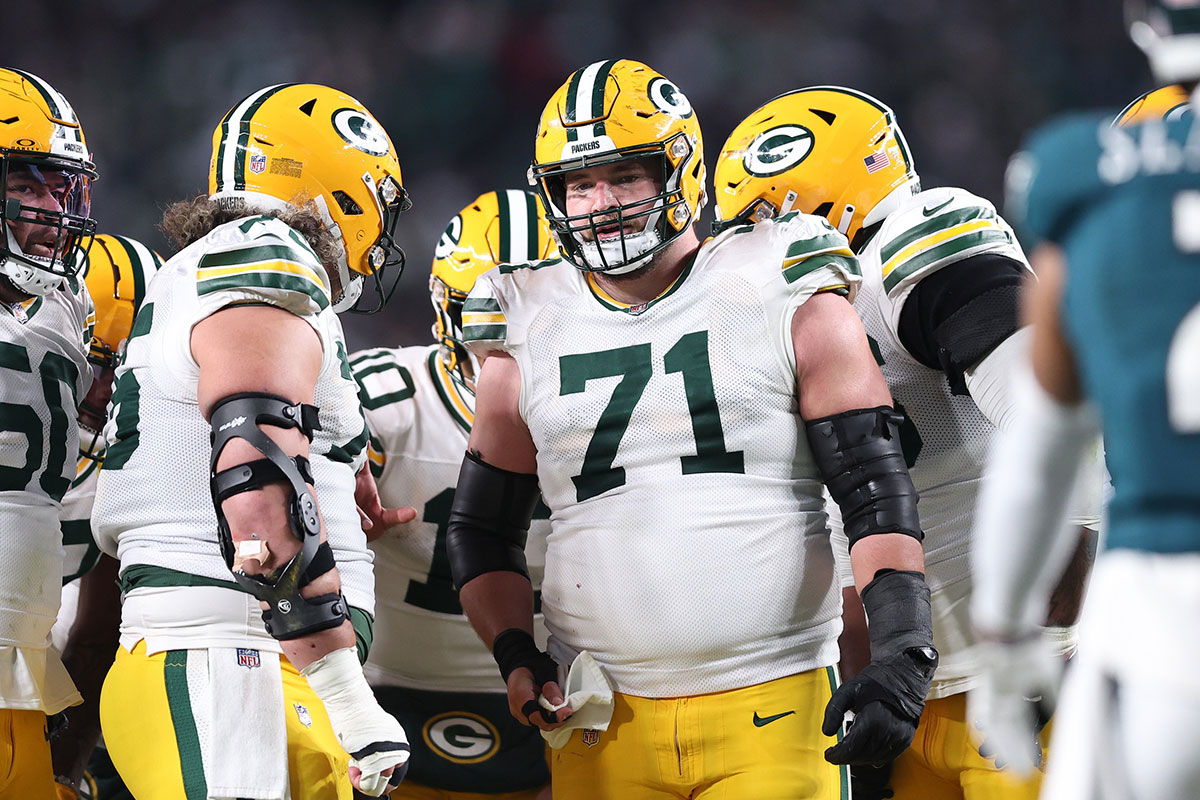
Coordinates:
(861, 461)
(489, 520)
(515, 648)
(903, 658)
(241, 416)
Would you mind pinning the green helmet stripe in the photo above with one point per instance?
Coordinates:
(143, 264)
(585, 97)
(504, 214)
(239, 164)
(531, 226)
(48, 94)
(231, 156)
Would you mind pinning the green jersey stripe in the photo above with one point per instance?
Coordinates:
(487, 305)
(264, 280)
(484, 333)
(187, 740)
(838, 262)
(250, 255)
(505, 269)
(943, 251)
(505, 214)
(817, 244)
(941, 222)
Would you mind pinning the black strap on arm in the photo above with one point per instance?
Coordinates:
(859, 455)
(489, 520)
(957, 315)
(239, 416)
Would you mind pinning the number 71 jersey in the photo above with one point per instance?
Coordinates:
(688, 549)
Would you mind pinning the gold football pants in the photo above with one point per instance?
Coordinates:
(25, 771)
(761, 742)
(150, 731)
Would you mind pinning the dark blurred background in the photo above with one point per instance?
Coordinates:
(459, 84)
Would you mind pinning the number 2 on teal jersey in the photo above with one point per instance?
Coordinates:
(634, 364)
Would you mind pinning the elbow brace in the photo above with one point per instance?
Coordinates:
(489, 520)
(858, 453)
(240, 416)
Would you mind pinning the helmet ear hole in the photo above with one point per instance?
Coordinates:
(346, 203)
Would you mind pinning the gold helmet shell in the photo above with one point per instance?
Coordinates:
(41, 136)
(613, 111)
(496, 228)
(825, 150)
(1166, 103)
(303, 143)
(117, 271)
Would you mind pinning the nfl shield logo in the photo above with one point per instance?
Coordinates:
(303, 715)
(590, 737)
(258, 163)
(248, 658)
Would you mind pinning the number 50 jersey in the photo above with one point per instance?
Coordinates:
(419, 420)
(688, 549)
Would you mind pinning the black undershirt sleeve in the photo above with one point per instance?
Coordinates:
(957, 315)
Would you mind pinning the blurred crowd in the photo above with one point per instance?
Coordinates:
(459, 84)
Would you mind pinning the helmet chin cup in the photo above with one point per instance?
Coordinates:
(622, 255)
(28, 279)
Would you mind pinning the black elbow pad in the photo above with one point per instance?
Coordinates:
(489, 520)
(861, 461)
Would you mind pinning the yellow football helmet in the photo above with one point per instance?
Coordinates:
(825, 150)
(42, 150)
(613, 111)
(497, 228)
(1169, 102)
(117, 270)
(303, 143)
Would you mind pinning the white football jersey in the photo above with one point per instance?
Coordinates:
(945, 436)
(43, 375)
(420, 420)
(688, 549)
(80, 550)
(153, 501)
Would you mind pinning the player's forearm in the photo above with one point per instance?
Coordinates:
(497, 601)
(885, 551)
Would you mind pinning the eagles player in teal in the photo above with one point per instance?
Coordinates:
(1115, 216)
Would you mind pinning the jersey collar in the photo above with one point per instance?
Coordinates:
(634, 309)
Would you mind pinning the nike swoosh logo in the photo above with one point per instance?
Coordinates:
(760, 721)
(929, 212)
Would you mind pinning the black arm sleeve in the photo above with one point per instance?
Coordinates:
(957, 315)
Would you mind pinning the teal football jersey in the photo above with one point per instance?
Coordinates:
(1124, 205)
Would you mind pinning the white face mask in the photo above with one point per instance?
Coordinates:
(606, 256)
(26, 278)
(91, 443)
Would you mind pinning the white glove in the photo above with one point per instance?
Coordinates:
(1015, 677)
(372, 737)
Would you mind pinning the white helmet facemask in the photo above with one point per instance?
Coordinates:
(627, 252)
(28, 279)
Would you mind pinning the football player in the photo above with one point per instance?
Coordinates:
(235, 414)
(680, 406)
(1114, 216)
(941, 271)
(45, 325)
(420, 403)
(117, 270)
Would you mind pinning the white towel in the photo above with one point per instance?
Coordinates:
(245, 755)
(589, 694)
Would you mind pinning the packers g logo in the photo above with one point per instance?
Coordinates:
(667, 97)
(360, 131)
(461, 737)
(450, 238)
(777, 150)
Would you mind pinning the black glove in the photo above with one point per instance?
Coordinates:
(514, 649)
(888, 696)
(871, 783)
